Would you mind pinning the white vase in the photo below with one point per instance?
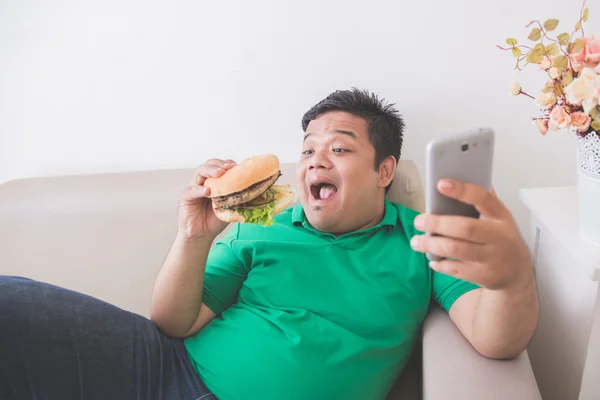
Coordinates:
(588, 188)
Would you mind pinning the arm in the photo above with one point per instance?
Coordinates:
(176, 305)
(499, 318)
(499, 324)
(177, 300)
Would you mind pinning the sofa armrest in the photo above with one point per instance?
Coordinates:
(453, 369)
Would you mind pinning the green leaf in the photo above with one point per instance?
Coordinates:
(547, 89)
(577, 26)
(534, 58)
(594, 112)
(558, 90)
(552, 50)
(259, 215)
(536, 55)
(535, 34)
(560, 62)
(563, 39)
(567, 78)
(511, 42)
(586, 13)
(539, 49)
(551, 24)
(516, 51)
(596, 125)
(576, 46)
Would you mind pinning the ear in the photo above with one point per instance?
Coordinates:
(387, 170)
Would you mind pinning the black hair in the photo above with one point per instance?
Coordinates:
(385, 125)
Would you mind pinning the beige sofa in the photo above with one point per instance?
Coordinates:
(107, 235)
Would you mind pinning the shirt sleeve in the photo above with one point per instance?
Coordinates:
(224, 274)
(447, 289)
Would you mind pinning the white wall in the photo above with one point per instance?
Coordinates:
(94, 86)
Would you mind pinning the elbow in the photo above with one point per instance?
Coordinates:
(166, 327)
(507, 346)
(501, 351)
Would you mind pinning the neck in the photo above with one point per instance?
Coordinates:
(370, 220)
(376, 217)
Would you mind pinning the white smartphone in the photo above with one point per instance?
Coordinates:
(466, 157)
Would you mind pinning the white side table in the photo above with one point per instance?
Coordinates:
(565, 350)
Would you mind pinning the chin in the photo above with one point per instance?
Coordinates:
(317, 219)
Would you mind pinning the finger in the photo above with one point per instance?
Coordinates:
(483, 200)
(206, 171)
(195, 192)
(463, 270)
(449, 248)
(458, 227)
(221, 163)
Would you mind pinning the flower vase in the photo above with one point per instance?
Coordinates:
(588, 188)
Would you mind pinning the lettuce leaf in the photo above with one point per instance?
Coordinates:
(258, 215)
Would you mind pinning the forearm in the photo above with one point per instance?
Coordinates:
(504, 320)
(177, 295)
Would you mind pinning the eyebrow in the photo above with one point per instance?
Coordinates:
(343, 132)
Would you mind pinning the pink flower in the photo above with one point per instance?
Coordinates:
(542, 125)
(592, 50)
(588, 56)
(559, 118)
(580, 121)
(546, 63)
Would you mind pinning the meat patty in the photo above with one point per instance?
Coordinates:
(244, 196)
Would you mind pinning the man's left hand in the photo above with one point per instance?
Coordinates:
(488, 251)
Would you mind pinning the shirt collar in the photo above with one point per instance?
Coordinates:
(390, 217)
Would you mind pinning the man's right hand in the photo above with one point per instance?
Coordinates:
(196, 217)
(177, 307)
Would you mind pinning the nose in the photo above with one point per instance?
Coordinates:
(319, 160)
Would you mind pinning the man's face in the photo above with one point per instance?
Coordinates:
(337, 183)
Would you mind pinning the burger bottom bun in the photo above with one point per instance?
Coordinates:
(283, 198)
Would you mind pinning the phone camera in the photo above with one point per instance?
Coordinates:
(464, 147)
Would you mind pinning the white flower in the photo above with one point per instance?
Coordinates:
(583, 89)
(588, 73)
(515, 89)
(546, 100)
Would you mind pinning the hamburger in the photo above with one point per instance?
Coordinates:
(247, 192)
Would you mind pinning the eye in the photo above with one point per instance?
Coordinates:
(339, 150)
(307, 152)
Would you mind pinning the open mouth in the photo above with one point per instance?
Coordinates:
(323, 191)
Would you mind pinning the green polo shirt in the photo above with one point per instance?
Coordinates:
(302, 314)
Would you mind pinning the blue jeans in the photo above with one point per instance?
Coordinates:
(60, 344)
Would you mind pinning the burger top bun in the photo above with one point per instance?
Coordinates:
(243, 175)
